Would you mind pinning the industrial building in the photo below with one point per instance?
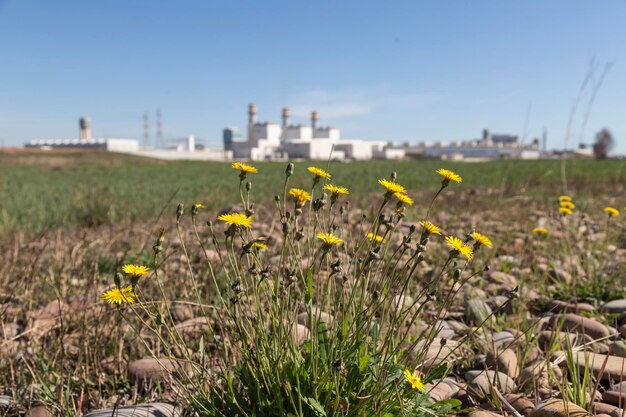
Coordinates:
(85, 141)
(489, 146)
(268, 140)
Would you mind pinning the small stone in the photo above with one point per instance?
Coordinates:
(558, 408)
(603, 408)
(477, 311)
(39, 411)
(615, 307)
(621, 387)
(573, 322)
(557, 306)
(613, 397)
(320, 316)
(439, 392)
(546, 338)
(5, 401)
(144, 410)
(151, 369)
(504, 361)
(481, 383)
(300, 333)
(502, 338)
(194, 328)
(606, 367)
(618, 348)
(521, 404)
(483, 413)
(181, 312)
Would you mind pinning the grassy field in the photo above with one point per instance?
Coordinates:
(52, 190)
(72, 223)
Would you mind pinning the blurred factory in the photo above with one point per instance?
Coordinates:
(271, 141)
(86, 141)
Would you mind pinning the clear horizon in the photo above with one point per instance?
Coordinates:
(409, 71)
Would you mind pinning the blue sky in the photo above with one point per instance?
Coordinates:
(393, 70)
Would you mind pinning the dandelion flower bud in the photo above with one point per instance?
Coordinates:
(277, 198)
(394, 176)
(179, 211)
(289, 170)
(248, 186)
(118, 279)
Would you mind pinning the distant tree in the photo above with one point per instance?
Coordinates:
(603, 144)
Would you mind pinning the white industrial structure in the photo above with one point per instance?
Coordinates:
(490, 146)
(267, 140)
(85, 141)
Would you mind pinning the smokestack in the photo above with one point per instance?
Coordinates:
(486, 135)
(285, 116)
(314, 119)
(251, 113)
(84, 125)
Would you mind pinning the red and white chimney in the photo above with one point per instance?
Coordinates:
(314, 119)
(251, 113)
(285, 117)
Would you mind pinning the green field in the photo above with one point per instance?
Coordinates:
(42, 190)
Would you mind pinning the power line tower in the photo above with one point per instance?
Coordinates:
(146, 130)
(159, 128)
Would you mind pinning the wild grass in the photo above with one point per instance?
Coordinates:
(77, 360)
(44, 191)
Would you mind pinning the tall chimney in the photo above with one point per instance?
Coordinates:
(251, 113)
(314, 119)
(285, 116)
(84, 125)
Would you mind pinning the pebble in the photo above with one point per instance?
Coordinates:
(613, 398)
(480, 382)
(144, 410)
(504, 361)
(194, 328)
(574, 322)
(321, 316)
(151, 369)
(558, 408)
(615, 307)
(483, 413)
(520, 403)
(477, 311)
(618, 348)
(439, 392)
(615, 368)
(558, 306)
(39, 411)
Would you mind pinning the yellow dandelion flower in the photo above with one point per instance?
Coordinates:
(611, 211)
(482, 240)
(259, 245)
(200, 205)
(449, 175)
(300, 195)
(336, 190)
(539, 231)
(237, 219)
(404, 199)
(392, 187)
(565, 211)
(135, 270)
(319, 173)
(565, 198)
(329, 239)
(117, 296)
(414, 380)
(568, 205)
(244, 168)
(430, 228)
(375, 238)
(457, 245)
